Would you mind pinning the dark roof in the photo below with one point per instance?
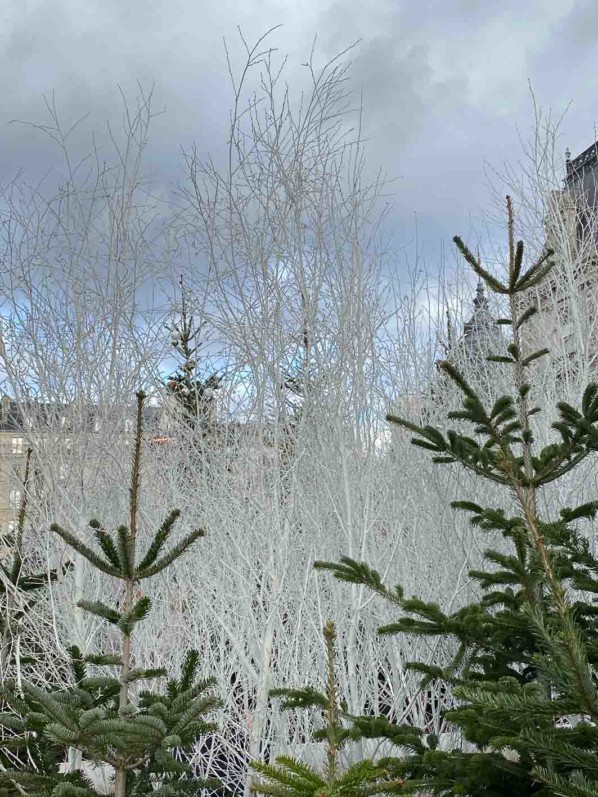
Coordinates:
(582, 163)
(582, 173)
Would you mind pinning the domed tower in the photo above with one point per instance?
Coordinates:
(481, 334)
(481, 337)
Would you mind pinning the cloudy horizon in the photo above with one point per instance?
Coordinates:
(446, 86)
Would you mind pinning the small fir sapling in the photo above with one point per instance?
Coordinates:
(140, 737)
(20, 591)
(194, 395)
(289, 777)
(18, 588)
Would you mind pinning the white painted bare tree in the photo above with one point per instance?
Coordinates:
(81, 263)
(294, 292)
(301, 309)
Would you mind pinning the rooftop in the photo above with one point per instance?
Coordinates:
(582, 164)
(13, 418)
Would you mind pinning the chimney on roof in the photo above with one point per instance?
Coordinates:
(5, 408)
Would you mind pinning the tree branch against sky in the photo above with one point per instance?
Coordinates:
(78, 325)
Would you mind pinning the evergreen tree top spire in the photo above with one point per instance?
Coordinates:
(289, 777)
(194, 395)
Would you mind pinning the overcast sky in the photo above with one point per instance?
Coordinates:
(445, 82)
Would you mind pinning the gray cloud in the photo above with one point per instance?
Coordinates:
(444, 83)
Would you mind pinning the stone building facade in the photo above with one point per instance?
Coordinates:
(20, 426)
(568, 301)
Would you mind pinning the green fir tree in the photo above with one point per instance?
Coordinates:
(524, 675)
(138, 736)
(34, 763)
(289, 777)
(20, 591)
(195, 396)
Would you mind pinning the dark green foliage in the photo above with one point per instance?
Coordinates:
(29, 754)
(19, 589)
(89, 697)
(19, 592)
(193, 394)
(140, 736)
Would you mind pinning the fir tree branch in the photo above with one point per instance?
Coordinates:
(85, 551)
(173, 554)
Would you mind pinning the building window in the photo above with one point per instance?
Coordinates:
(128, 426)
(17, 445)
(15, 497)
